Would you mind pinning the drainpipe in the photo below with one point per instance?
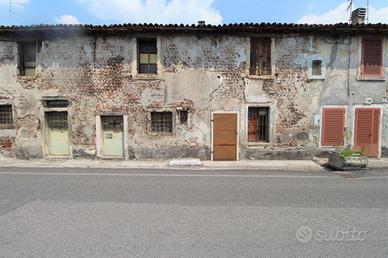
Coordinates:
(349, 59)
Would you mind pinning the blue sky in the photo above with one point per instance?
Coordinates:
(183, 11)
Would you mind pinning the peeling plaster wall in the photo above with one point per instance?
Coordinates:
(200, 73)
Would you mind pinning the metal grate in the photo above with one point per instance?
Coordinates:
(258, 124)
(57, 120)
(112, 122)
(57, 103)
(161, 122)
(6, 116)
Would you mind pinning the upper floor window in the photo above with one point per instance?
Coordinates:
(27, 58)
(6, 120)
(372, 57)
(260, 56)
(147, 56)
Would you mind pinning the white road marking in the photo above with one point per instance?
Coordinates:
(161, 175)
(370, 177)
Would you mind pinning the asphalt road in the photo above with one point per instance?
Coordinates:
(193, 213)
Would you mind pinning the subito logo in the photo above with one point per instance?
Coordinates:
(304, 235)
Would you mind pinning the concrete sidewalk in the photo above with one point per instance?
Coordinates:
(291, 165)
(278, 165)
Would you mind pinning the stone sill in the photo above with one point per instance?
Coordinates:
(147, 77)
(25, 77)
(58, 157)
(257, 145)
(262, 77)
(111, 158)
(379, 79)
(11, 127)
(161, 134)
(317, 77)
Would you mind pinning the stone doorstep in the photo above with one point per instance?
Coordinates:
(185, 163)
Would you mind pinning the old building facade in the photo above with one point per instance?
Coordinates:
(239, 91)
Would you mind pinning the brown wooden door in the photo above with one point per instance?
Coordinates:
(366, 132)
(225, 137)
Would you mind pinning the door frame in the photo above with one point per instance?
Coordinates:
(381, 107)
(46, 132)
(237, 137)
(99, 136)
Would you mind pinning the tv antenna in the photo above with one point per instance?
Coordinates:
(367, 11)
(11, 11)
(350, 9)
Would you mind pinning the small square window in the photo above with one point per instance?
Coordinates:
(183, 117)
(6, 120)
(316, 68)
(147, 56)
(161, 122)
(27, 58)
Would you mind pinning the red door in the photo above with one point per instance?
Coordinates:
(366, 132)
(225, 137)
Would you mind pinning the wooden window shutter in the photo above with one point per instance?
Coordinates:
(366, 132)
(260, 56)
(372, 57)
(333, 126)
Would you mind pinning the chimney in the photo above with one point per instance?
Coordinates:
(201, 23)
(358, 16)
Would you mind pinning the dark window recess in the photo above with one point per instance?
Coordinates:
(112, 122)
(147, 55)
(57, 120)
(56, 103)
(6, 120)
(372, 56)
(183, 116)
(27, 58)
(258, 124)
(260, 56)
(161, 122)
(316, 67)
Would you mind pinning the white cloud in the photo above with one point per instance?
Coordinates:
(155, 11)
(378, 15)
(67, 19)
(338, 14)
(341, 14)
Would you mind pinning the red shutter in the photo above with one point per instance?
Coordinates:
(333, 125)
(372, 53)
(366, 132)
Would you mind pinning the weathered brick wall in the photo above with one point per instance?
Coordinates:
(200, 73)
